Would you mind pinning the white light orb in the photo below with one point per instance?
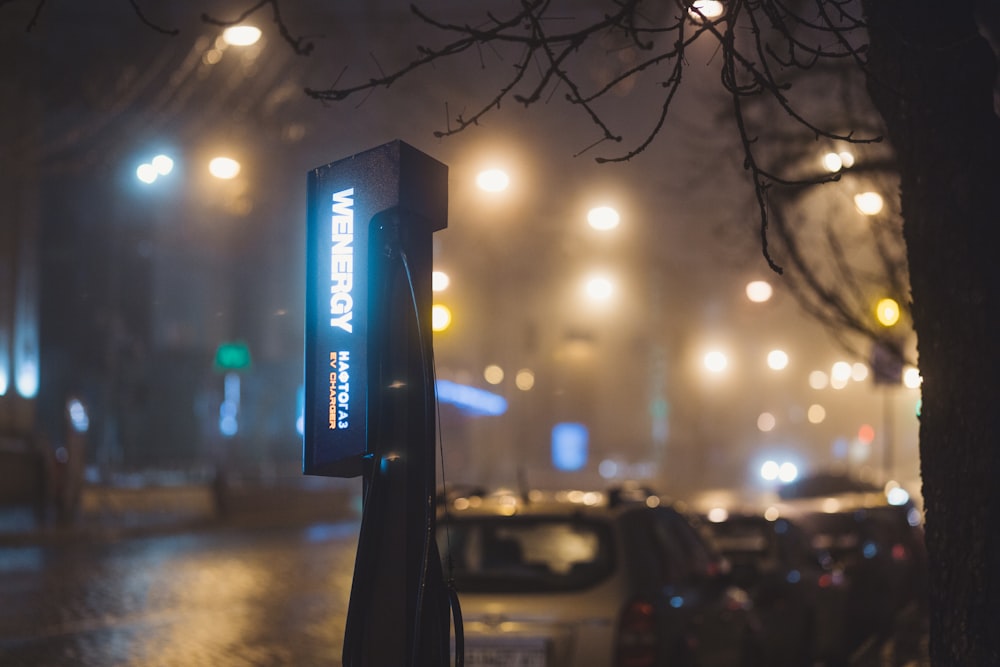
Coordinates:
(777, 360)
(832, 162)
(819, 380)
(759, 291)
(766, 422)
(603, 218)
(225, 168)
(525, 379)
(493, 180)
(788, 472)
(600, 288)
(715, 361)
(439, 281)
(163, 164)
(146, 173)
(493, 374)
(241, 35)
(816, 413)
(869, 203)
(440, 317)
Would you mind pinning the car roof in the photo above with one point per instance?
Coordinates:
(538, 502)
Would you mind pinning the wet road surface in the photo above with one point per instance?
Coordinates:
(233, 596)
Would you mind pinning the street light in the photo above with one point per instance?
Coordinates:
(225, 168)
(834, 162)
(493, 180)
(911, 378)
(603, 218)
(241, 35)
(493, 374)
(160, 165)
(709, 9)
(759, 291)
(777, 360)
(869, 203)
(715, 361)
(599, 288)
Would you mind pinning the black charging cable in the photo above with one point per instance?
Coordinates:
(430, 553)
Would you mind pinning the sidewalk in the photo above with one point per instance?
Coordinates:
(109, 512)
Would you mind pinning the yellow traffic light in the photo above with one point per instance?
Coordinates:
(887, 312)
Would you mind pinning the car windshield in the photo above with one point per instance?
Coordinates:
(849, 534)
(737, 538)
(525, 554)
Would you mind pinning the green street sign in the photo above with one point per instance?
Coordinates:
(233, 356)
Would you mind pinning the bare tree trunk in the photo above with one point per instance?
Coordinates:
(931, 76)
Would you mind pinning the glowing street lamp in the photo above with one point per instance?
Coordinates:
(710, 9)
(715, 361)
(225, 168)
(834, 162)
(599, 288)
(493, 180)
(869, 203)
(759, 291)
(777, 360)
(160, 165)
(603, 218)
(241, 35)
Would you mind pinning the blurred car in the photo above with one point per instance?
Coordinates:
(879, 545)
(577, 579)
(799, 594)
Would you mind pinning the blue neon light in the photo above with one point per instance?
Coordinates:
(472, 400)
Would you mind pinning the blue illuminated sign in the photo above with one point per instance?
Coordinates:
(569, 446)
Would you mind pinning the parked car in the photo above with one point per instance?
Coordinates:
(581, 579)
(880, 548)
(800, 594)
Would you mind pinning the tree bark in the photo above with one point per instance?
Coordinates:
(931, 75)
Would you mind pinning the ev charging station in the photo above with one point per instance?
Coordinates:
(369, 389)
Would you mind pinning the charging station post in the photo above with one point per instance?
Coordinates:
(369, 389)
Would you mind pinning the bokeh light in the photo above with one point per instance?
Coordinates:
(766, 422)
(493, 180)
(493, 374)
(816, 413)
(603, 218)
(440, 281)
(869, 203)
(241, 35)
(887, 312)
(759, 291)
(599, 288)
(819, 380)
(225, 168)
(710, 9)
(440, 317)
(716, 361)
(777, 360)
(525, 379)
